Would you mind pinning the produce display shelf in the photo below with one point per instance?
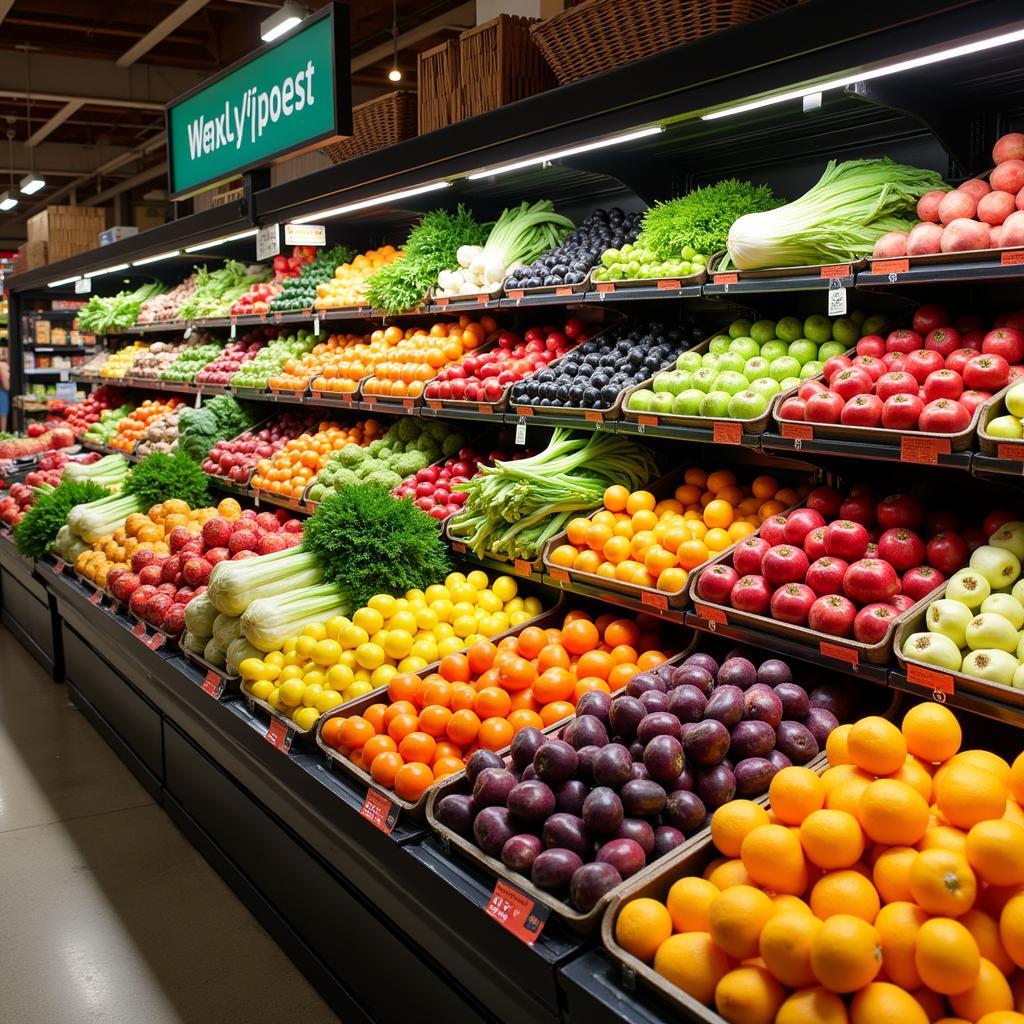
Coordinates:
(463, 306)
(966, 272)
(700, 435)
(31, 346)
(42, 371)
(450, 412)
(634, 604)
(782, 283)
(268, 497)
(600, 991)
(982, 465)
(868, 452)
(976, 704)
(641, 293)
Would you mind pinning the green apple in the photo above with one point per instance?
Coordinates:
(1018, 678)
(803, 350)
(933, 649)
(688, 403)
(994, 665)
(968, 587)
(739, 329)
(732, 382)
(788, 329)
(640, 401)
(1005, 605)
(858, 316)
(746, 348)
(773, 349)
(704, 379)
(673, 381)
(747, 405)
(783, 367)
(950, 618)
(689, 361)
(985, 632)
(810, 369)
(731, 361)
(818, 328)
(716, 405)
(756, 367)
(1005, 426)
(1015, 400)
(998, 565)
(873, 324)
(830, 349)
(1011, 537)
(719, 343)
(846, 331)
(662, 402)
(767, 386)
(709, 361)
(790, 383)
(762, 331)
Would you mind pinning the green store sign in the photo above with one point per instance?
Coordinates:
(285, 98)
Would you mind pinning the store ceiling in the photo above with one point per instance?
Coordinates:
(101, 73)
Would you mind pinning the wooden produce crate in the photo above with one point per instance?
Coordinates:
(32, 255)
(437, 87)
(598, 35)
(506, 65)
(67, 230)
(377, 123)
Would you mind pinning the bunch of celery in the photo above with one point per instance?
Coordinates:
(109, 472)
(514, 508)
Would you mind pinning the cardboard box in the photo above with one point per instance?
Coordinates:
(30, 256)
(116, 234)
(67, 230)
(42, 332)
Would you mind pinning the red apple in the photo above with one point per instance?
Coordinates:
(792, 603)
(943, 384)
(846, 539)
(196, 571)
(921, 581)
(784, 563)
(958, 360)
(851, 382)
(901, 602)
(799, 523)
(860, 508)
(151, 575)
(971, 400)
(825, 576)
(156, 608)
(832, 614)
(922, 362)
(215, 555)
(835, 365)
(947, 552)
(873, 622)
(242, 540)
(793, 408)
(893, 361)
(141, 557)
(773, 530)
(825, 500)
(903, 341)
(814, 544)
(940, 520)
(874, 367)
(748, 555)
(810, 387)
(870, 580)
(986, 373)
(751, 594)
(900, 510)
(929, 317)
(216, 532)
(824, 407)
(901, 548)
(943, 340)
(944, 416)
(897, 382)
(1005, 342)
(862, 411)
(180, 536)
(871, 345)
(996, 520)
(715, 583)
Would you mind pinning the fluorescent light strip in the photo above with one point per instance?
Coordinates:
(616, 140)
(221, 241)
(377, 201)
(64, 280)
(154, 259)
(864, 76)
(279, 30)
(108, 270)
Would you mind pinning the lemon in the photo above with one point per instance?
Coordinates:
(401, 604)
(275, 658)
(442, 630)
(461, 608)
(326, 653)
(533, 605)
(314, 677)
(359, 688)
(261, 688)
(316, 630)
(454, 579)
(411, 664)
(292, 658)
(305, 718)
(403, 619)
(450, 645)
(339, 677)
(435, 592)
(348, 659)
(490, 626)
(489, 601)
(503, 618)
(383, 603)
(518, 618)
(363, 675)
(274, 698)
(353, 635)
(426, 618)
(335, 626)
(310, 694)
(505, 587)
(252, 668)
(515, 605)
(464, 625)
(442, 608)
(291, 672)
(414, 595)
(291, 692)
(369, 656)
(327, 700)
(463, 592)
(380, 637)
(398, 644)
(425, 649)
(383, 675)
(304, 646)
(271, 672)
(369, 619)
(289, 645)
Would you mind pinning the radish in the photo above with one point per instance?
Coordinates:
(956, 205)
(892, 244)
(924, 240)
(1013, 229)
(995, 237)
(1008, 147)
(928, 206)
(996, 207)
(1008, 176)
(962, 235)
(975, 187)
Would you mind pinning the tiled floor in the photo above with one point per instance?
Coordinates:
(107, 914)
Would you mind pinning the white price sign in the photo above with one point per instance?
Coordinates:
(837, 302)
(305, 234)
(83, 286)
(268, 241)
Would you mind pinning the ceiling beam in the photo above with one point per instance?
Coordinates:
(5, 8)
(156, 171)
(69, 108)
(156, 35)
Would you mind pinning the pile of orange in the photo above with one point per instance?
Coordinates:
(348, 285)
(481, 698)
(132, 429)
(638, 539)
(888, 889)
(297, 373)
(290, 471)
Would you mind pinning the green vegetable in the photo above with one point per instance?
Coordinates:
(109, 472)
(513, 508)
(200, 615)
(268, 622)
(521, 235)
(216, 290)
(430, 248)
(840, 218)
(219, 419)
(40, 525)
(234, 585)
(116, 312)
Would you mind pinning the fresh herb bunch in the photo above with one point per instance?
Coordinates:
(430, 248)
(371, 543)
(159, 477)
(702, 218)
(38, 529)
(115, 312)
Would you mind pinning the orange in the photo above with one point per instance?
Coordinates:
(749, 995)
(692, 553)
(587, 561)
(893, 813)
(774, 858)
(444, 766)
(832, 777)
(736, 917)
(615, 498)
(898, 924)
(813, 1006)
(891, 874)
(794, 793)
(355, 731)
(688, 903)
(831, 839)
(764, 487)
(598, 535)
(876, 745)
(1011, 929)
(718, 514)
(463, 697)
(404, 686)
(946, 956)
(565, 555)
(844, 892)
(720, 478)
(967, 794)
(491, 702)
(944, 837)
(995, 850)
(399, 707)
(786, 903)
(785, 947)
(412, 780)
(984, 759)
(729, 873)
(1016, 780)
(331, 732)
(1002, 1017)
(385, 767)
(991, 992)
(642, 926)
(377, 745)
(556, 711)
(693, 963)
(846, 953)
(495, 734)
(580, 636)
(401, 725)
(994, 898)
(932, 732)
(882, 1003)
(846, 796)
(463, 727)
(942, 883)
(436, 691)
(985, 929)
(552, 655)
(915, 776)
(731, 823)
(835, 745)
(418, 746)
(640, 500)
(523, 718)
(554, 684)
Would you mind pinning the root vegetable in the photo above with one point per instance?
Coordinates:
(924, 240)
(1008, 176)
(975, 187)
(995, 237)
(962, 235)
(956, 205)
(1008, 147)
(995, 207)
(1013, 229)
(1020, 199)
(928, 206)
(894, 243)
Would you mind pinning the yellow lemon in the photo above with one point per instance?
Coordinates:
(414, 595)
(359, 688)
(463, 592)
(304, 646)
(362, 675)
(327, 700)
(369, 656)
(443, 630)
(403, 619)
(464, 625)
(340, 677)
(478, 579)
(326, 652)
(383, 675)
(293, 658)
(348, 659)
(453, 579)
(533, 606)
(442, 609)
(353, 635)
(435, 592)
(291, 692)
(450, 645)
(310, 694)
(252, 668)
(317, 630)
(426, 618)
(518, 618)
(369, 619)
(261, 688)
(411, 664)
(305, 718)
(335, 626)
(275, 658)
(505, 587)
(515, 605)
(290, 672)
(314, 677)
(398, 644)
(289, 645)
(383, 603)
(425, 649)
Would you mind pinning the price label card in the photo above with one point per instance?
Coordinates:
(558, 574)
(279, 735)
(458, 546)
(840, 653)
(654, 600)
(516, 293)
(726, 278)
(837, 270)
(139, 630)
(517, 913)
(523, 567)
(485, 410)
(154, 641)
(940, 682)
(923, 450)
(563, 290)
(96, 598)
(58, 567)
(521, 432)
(234, 328)
(836, 301)
(214, 684)
(669, 286)
(646, 420)
(593, 416)
(890, 266)
(727, 433)
(524, 410)
(379, 811)
(798, 431)
(268, 241)
(1010, 452)
(1012, 259)
(603, 287)
(199, 399)
(316, 326)
(711, 614)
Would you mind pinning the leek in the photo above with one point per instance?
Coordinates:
(269, 621)
(98, 519)
(234, 585)
(839, 219)
(109, 472)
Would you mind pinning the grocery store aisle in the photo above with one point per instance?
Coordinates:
(106, 912)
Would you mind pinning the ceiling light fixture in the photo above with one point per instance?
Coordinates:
(395, 74)
(221, 241)
(154, 259)
(615, 140)
(377, 201)
(64, 280)
(108, 270)
(282, 20)
(924, 60)
(32, 182)
(9, 200)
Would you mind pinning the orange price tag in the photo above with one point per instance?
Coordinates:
(890, 266)
(558, 574)
(154, 641)
(840, 653)
(58, 567)
(485, 410)
(839, 270)
(726, 278)
(370, 399)
(96, 597)
(665, 285)
(563, 290)
(647, 421)
(593, 416)
(711, 614)
(605, 286)
(516, 294)
(923, 450)
(1011, 452)
(408, 403)
(379, 811)
(433, 403)
(727, 433)
(516, 912)
(457, 545)
(139, 630)
(213, 684)
(441, 300)
(654, 600)
(524, 410)
(1012, 259)
(798, 431)
(940, 682)
(523, 567)
(483, 298)
(279, 735)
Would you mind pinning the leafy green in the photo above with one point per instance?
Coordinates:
(430, 248)
(216, 290)
(370, 543)
(159, 477)
(701, 218)
(115, 312)
(221, 418)
(39, 526)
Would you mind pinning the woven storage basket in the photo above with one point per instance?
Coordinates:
(437, 86)
(377, 123)
(597, 35)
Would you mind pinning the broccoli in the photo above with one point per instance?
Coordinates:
(345, 477)
(392, 435)
(384, 477)
(408, 429)
(368, 466)
(452, 443)
(198, 431)
(351, 455)
(374, 447)
(437, 430)
(425, 444)
(409, 463)
(388, 451)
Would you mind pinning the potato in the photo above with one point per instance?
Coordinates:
(962, 235)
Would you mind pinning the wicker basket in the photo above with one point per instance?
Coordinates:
(437, 86)
(597, 35)
(377, 123)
